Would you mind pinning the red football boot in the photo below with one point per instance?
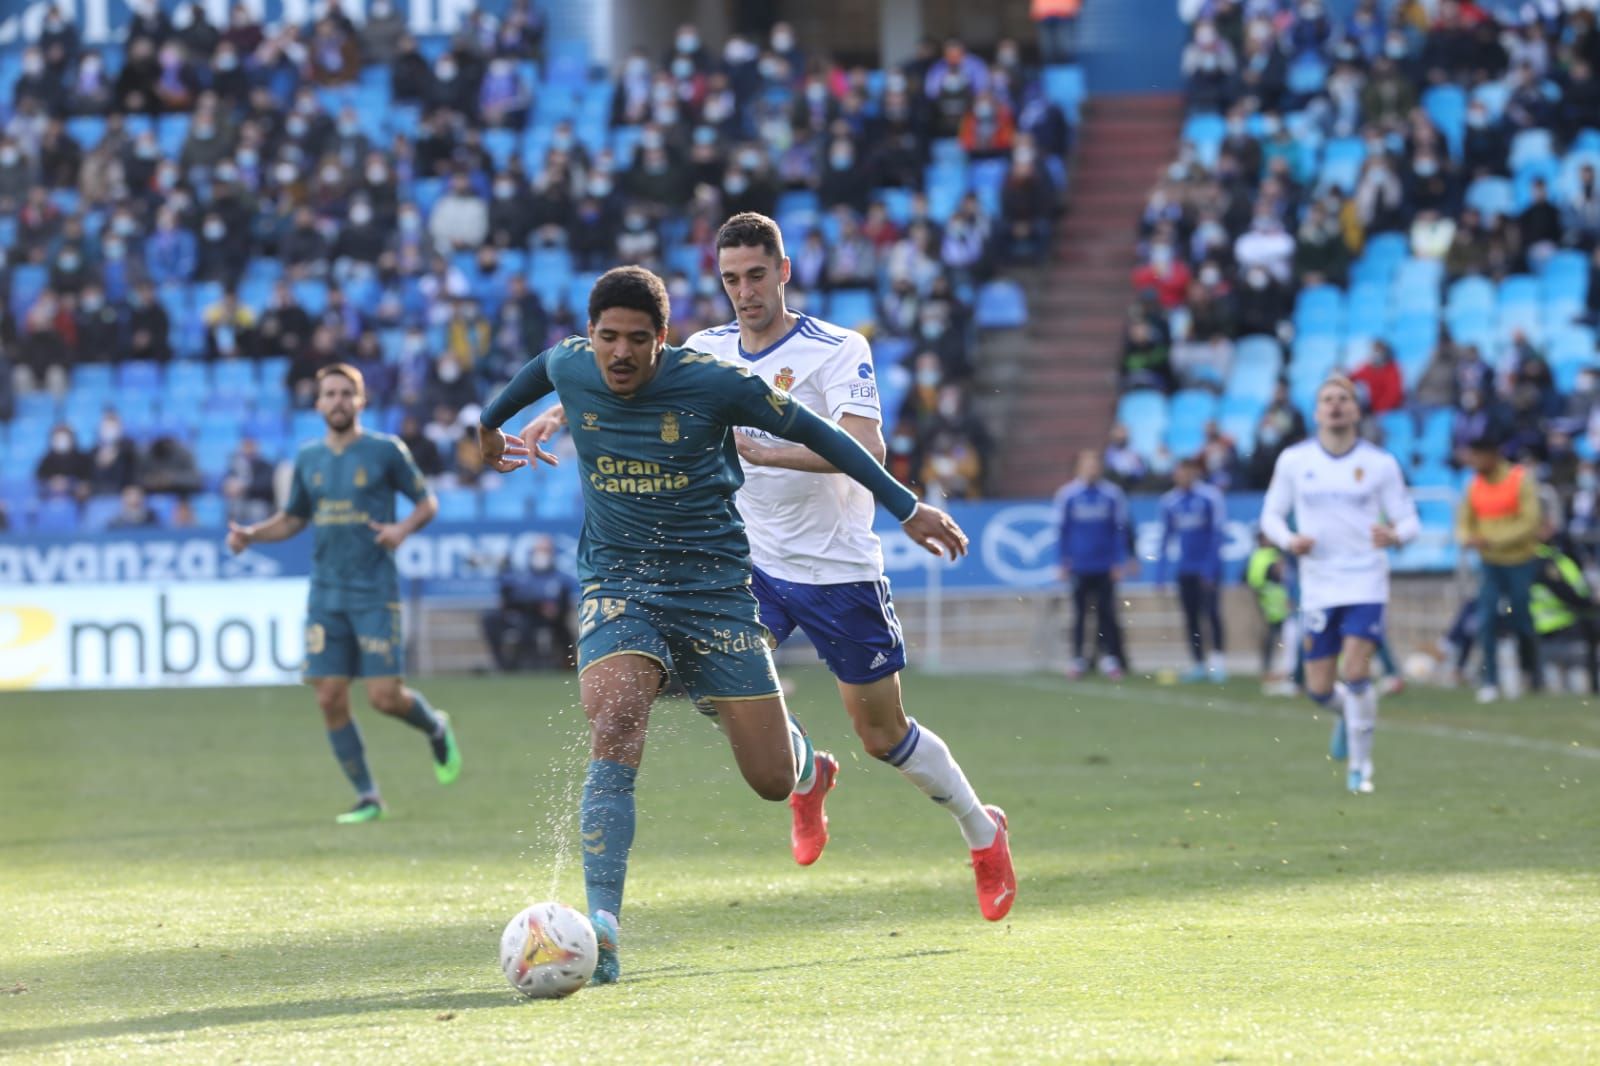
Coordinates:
(808, 834)
(997, 881)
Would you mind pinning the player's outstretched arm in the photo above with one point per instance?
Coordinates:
(503, 451)
(280, 526)
(928, 526)
(868, 433)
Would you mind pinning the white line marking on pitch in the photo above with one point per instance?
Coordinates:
(1255, 710)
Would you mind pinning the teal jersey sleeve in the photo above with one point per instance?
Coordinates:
(404, 474)
(750, 401)
(299, 504)
(531, 383)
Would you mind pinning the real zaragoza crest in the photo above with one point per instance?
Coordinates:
(784, 379)
(669, 428)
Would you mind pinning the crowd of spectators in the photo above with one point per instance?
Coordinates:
(1468, 137)
(420, 238)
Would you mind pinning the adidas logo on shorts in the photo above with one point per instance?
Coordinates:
(878, 660)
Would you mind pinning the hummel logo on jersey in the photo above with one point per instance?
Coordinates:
(878, 660)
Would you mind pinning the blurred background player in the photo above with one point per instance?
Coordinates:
(1266, 573)
(530, 627)
(1092, 548)
(1193, 512)
(1562, 607)
(664, 561)
(344, 485)
(1341, 493)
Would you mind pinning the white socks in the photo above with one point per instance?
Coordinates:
(926, 762)
(1360, 722)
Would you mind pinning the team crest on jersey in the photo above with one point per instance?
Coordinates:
(669, 428)
(591, 420)
(784, 379)
(1360, 473)
(361, 477)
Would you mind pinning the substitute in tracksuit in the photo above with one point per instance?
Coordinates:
(1194, 514)
(1092, 548)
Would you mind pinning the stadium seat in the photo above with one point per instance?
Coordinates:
(1493, 95)
(28, 281)
(234, 378)
(1367, 310)
(1519, 289)
(1314, 356)
(1473, 293)
(1064, 86)
(1492, 197)
(1320, 309)
(852, 308)
(1197, 406)
(1001, 304)
(500, 505)
(1530, 147)
(139, 374)
(56, 516)
(458, 505)
(1446, 105)
(1206, 131)
(99, 511)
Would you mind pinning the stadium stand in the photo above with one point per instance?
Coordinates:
(198, 218)
(1406, 193)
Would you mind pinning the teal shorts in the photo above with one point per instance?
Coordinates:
(359, 643)
(713, 642)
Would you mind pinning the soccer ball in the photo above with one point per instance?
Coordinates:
(548, 951)
(1420, 666)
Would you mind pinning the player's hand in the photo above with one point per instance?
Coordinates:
(239, 537)
(1300, 544)
(501, 450)
(936, 531)
(751, 450)
(1383, 537)
(389, 534)
(541, 429)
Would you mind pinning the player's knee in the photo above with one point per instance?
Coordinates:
(879, 740)
(619, 727)
(389, 699)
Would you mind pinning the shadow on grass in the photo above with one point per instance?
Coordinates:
(431, 1000)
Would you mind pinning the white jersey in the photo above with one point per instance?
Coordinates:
(1336, 500)
(815, 529)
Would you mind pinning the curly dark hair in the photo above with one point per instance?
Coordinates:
(751, 230)
(634, 288)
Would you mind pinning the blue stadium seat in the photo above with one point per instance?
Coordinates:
(1520, 318)
(852, 308)
(36, 406)
(1144, 412)
(1492, 197)
(188, 380)
(312, 295)
(1206, 131)
(1416, 285)
(1399, 431)
(87, 130)
(1238, 418)
(1493, 95)
(1447, 106)
(1434, 438)
(1519, 289)
(1064, 86)
(1531, 146)
(890, 351)
(1192, 405)
(234, 378)
(1314, 356)
(1308, 73)
(99, 511)
(92, 378)
(947, 150)
(1320, 309)
(1367, 310)
(1001, 304)
(1523, 178)
(210, 512)
(56, 516)
(28, 280)
(1473, 293)
(139, 374)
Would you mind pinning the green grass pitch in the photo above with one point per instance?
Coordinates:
(1195, 885)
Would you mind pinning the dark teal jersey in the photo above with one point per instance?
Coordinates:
(339, 492)
(660, 468)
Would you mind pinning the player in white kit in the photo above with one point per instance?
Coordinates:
(1350, 504)
(818, 565)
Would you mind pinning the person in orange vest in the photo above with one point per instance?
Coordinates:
(1058, 24)
(1499, 518)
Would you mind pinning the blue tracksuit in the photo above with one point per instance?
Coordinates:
(1198, 519)
(1092, 540)
(1092, 527)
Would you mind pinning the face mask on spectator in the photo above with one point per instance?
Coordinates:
(93, 302)
(1205, 36)
(32, 65)
(1256, 279)
(841, 158)
(634, 222)
(204, 131)
(331, 175)
(1210, 276)
(782, 40)
(504, 190)
(285, 173)
(735, 184)
(600, 187)
(705, 135)
(688, 42)
(9, 157)
(682, 68)
(650, 140)
(166, 179)
(449, 371)
(446, 72)
(110, 431)
(561, 140)
(1395, 48)
(68, 261)
(637, 67)
(1023, 155)
(248, 158)
(227, 61)
(61, 443)
(296, 126)
(928, 379)
(147, 150)
(772, 69)
(1426, 168)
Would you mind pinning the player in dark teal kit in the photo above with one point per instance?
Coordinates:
(344, 485)
(663, 558)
